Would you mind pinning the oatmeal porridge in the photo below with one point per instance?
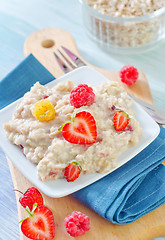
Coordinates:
(44, 145)
(126, 33)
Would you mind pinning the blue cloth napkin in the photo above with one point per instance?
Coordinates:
(133, 190)
(20, 80)
(128, 193)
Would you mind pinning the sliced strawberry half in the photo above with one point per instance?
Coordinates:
(72, 171)
(40, 225)
(121, 120)
(82, 129)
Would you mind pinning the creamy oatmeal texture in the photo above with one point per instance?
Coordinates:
(45, 146)
(126, 33)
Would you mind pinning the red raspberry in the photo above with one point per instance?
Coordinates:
(129, 74)
(82, 95)
(77, 224)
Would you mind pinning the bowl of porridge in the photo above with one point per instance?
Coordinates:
(36, 146)
(44, 145)
(124, 26)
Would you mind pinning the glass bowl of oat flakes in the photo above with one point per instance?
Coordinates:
(125, 25)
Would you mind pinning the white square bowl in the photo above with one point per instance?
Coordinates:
(59, 188)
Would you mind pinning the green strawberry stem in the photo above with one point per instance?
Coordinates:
(28, 211)
(76, 163)
(74, 114)
(72, 118)
(34, 207)
(31, 213)
(23, 220)
(60, 128)
(119, 109)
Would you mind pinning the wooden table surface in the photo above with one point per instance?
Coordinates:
(18, 19)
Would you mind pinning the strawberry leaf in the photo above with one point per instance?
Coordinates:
(28, 211)
(60, 128)
(34, 207)
(23, 220)
(76, 163)
(74, 114)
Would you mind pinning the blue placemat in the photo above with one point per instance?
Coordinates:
(126, 194)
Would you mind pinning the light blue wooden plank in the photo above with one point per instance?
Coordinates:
(8, 209)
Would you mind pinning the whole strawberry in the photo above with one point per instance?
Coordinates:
(30, 197)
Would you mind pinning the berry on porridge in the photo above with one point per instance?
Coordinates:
(82, 95)
(72, 171)
(43, 111)
(82, 129)
(121, 120)
(93, 136)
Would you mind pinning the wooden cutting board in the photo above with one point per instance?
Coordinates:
(42, 44)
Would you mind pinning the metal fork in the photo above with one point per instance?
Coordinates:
(68, 64)
(73, 58)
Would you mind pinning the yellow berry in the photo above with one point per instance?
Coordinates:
(44, 110)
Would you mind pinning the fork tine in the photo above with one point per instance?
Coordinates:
(64, 68)
(70, 64)
(74, 58)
